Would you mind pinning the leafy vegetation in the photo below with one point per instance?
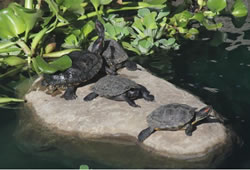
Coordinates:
(36, 38)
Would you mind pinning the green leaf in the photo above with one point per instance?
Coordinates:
(62, 63)
(10, 24)
(57, 65)
(138, 24)
(239, 9)
(155, 2)
(201, 3)
(183, 18)
(60, 53)
(212, 26)
(105, 2)
(162, 14)
(129, 47)
(29, 16)
(193, 31)
(84, 167)
(110, 29)
(198, 17)
(8, 50)
(95, 3)
(216, 5)
(74, 6)
(149, 21)
(9, 99)
(143, 12)
(88, 28)
(14, 60)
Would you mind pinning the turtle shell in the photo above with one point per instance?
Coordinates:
(111, 85)
(85, 65)
(171, 117)
(87, 62)
(113, 52)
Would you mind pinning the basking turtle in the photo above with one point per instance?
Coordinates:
(174, 117)
(120, 89)
(85, 65)
(115, 57)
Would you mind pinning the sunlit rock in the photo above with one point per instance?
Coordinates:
(105, 131)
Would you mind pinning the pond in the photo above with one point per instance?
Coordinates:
(219, 77)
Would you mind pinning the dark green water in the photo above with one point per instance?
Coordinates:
(220, 78)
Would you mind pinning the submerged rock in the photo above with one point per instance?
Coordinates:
(106, 131)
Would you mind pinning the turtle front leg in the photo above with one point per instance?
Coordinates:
(90, 96)
(70, 93)
(189, 129)
(124, 97)
(110, 71)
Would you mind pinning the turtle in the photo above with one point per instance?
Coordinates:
(116, 87)
(173, 117)
(115, 57)
(85, 65)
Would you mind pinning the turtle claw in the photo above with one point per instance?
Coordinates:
(69, 97)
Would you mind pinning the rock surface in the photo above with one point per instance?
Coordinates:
(106, 131)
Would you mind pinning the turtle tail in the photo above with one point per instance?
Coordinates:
(145, 133)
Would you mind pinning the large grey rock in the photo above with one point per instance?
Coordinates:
(106, 131)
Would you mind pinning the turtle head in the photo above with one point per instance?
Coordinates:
(203, 113)
(98, 45)
(133, 93)
(99, 28)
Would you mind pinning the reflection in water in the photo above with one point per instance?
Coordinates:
(220, 78)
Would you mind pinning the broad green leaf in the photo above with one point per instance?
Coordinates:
(201, 3)
(84, 167)
(9, 99)
(62, 63)
(10, 24)
(129, 47)
(74, 6)
(43, 66)
(239, 9)
(193, 31)
(29, 16)
(88, 28)
(149, 21)
(138, 24)
(143, 12)
(212, 26)
(209, 14)
(95, 3)
(162, 14)
(216, 5)
(198, 17)
(14, 60)
(183, 18)
(57, 65)
(110, 29)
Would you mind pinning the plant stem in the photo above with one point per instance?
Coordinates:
(28, 4)
(24, 47)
